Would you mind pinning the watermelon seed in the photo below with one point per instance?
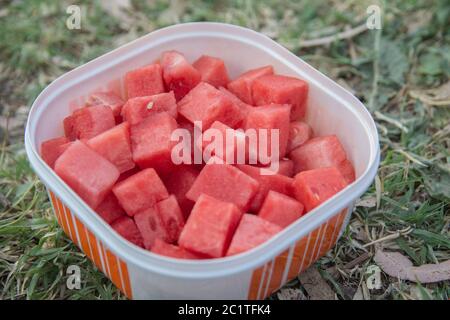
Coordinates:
(150, 105)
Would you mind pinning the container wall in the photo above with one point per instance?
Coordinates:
(331, 110)
(104, 259)
(138, 283)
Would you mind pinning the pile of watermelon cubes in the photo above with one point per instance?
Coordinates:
(116, 155)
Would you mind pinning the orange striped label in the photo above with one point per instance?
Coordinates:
(278, 271)
(255, 283)
(297, 257)
(105, 260)
(70, 224)
(269, 277)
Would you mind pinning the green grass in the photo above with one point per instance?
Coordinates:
(381, 67)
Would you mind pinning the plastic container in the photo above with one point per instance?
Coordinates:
(141, 274)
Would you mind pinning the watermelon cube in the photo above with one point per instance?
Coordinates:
(299, 133)
(114, 145)
(86, 123)
(282, 90)
(138, 108)
(145, 81)
(178, 74)
(90, 175)
(207, 104)
(178, 182)
(172, 217)
(242, 86)
(163, 221)
(320, 152)
(250, 233)
(125, 175)
(284, 167)
(212, 70)
(267, 182)
(264, 119)
(226, 183)
(173, 251)
(151, 226)
(140, 191)
(126, 227)
(244, 107)
(109, 209)
(229, 142)
(347, 170)
(108, 99)
(151, 142)
(280, 209)
(52, 149)
(210, 227)
(314, 187)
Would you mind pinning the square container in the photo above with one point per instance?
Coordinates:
(255, 274)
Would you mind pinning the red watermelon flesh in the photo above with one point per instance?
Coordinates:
(178, 182)
(212, 70)
(299, 133)
(250, 233)
(173, 251)
(145, 81)
(151, 142)
(314, 187)
(138, 108)
(52, 149)
(189, 126)
(320, 152)
(69, 128)
(108, 99)
(280, 209)
(347, 170)
(207, 104)
(210, 227)
(140, 191)
(90, 175)
(178, 74)
(232, 142)
(125, 175)
(86, 123)
(151, 226)
(172, 217)
(126, 227)
(269, 117)
(242, 86)
(114, 145)
(110, 209)
(267, 182)
(285, 167)
(282, 90)
(226, 183)
(244, 107)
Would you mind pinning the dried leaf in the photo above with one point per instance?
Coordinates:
(316, 287)
(439, 96)
(393, 263)
(368, 202)
(291, 294)
(397, 265)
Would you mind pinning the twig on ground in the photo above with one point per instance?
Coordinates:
(347, 34)
(393, 236)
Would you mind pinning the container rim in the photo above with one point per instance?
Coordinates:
(214, 267)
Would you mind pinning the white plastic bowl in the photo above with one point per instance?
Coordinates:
(141, 274)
